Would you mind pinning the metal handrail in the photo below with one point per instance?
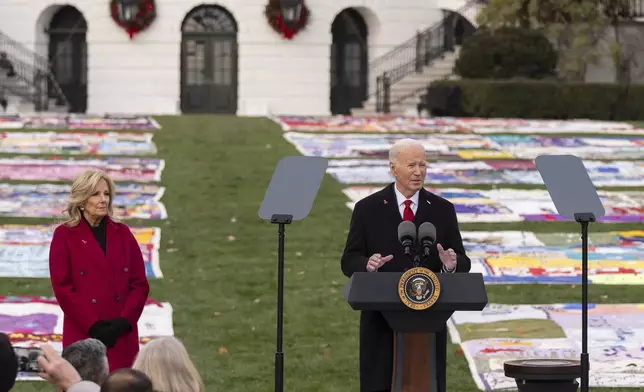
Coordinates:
(34, 72)
(411, 55)
(428, 46)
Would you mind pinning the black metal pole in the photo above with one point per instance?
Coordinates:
(279, 355)
(585, 366)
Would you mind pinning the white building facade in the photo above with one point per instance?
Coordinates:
(220, 57)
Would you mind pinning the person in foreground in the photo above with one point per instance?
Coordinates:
(97, 272)
(372, 245)
(89, 358)
(57, 371)
(167, 362)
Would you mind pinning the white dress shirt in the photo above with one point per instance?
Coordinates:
(400, 199)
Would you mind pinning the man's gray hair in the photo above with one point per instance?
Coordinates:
(89, 358)
(401, 145)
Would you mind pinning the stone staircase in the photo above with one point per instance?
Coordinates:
(399, 77)
(405, 94)
(32, 88)
(20, 97)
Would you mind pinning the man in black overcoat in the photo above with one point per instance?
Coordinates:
(372, 245)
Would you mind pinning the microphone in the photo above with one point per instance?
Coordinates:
(427, 235)
(407, 235)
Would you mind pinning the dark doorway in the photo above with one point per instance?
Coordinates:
(349, 61)
(68, 56)
(209, 61)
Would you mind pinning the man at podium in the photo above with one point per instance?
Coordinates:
(372, 245)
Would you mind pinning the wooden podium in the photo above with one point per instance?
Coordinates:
(414, 330)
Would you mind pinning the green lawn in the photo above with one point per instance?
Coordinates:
(224, 291)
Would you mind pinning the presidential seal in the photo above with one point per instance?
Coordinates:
(419, 288)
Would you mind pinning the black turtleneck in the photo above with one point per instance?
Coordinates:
(100, 233)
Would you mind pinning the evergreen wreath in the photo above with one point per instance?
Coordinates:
(272, 11)
(145, 15)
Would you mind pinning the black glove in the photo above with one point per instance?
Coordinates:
(120, 326)
(102, 330)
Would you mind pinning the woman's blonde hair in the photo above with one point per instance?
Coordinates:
(83, 188)
(166, 362)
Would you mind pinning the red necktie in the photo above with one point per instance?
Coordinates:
(408, 214)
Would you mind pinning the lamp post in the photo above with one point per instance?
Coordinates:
(127, 10)
(291, 11)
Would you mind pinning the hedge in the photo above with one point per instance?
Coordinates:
(549, 99)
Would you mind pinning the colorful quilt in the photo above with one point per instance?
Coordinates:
(31, 321)
(141, 201)
(517, 257)
(78, 121)
(511, 205)
(457, 147)
(376, 171)
(393, 123)
(468, 147)
(505, 332)
(66, 169)
(77, 143)
(24, 250)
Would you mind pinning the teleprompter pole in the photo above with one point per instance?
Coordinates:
(282, 221)
(584, 219)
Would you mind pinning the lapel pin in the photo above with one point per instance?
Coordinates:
(384, 201)
(84, 242)
(429, 202)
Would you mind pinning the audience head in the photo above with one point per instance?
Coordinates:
(166, 361)
(8, 364)
(127, 380)
(89, 358)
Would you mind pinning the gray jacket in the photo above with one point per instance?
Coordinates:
(85, 386)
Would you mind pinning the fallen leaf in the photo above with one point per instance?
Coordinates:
(298, 254)
(223, 350)
(574, 286)
(171, 250)
(170, 242)
(256, 300)
(233, 219)
(301, 273)
(231, 238)
(459, 351)
(327, 355)
(268, 146)
(334, 290)
(217, 314)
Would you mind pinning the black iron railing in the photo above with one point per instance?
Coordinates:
(32, 79)
(413, 55)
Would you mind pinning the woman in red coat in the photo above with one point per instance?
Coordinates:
(97, 272)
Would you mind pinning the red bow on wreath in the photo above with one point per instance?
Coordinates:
(133, 16)
(287, 17)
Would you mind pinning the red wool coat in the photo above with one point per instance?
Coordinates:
(90, 286)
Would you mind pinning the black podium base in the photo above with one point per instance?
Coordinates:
(544, 375)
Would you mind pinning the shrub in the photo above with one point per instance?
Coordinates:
(505, 53)
(550, 100)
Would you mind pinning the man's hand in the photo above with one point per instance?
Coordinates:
(376, 261)
(448, 257)
(57, 370)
